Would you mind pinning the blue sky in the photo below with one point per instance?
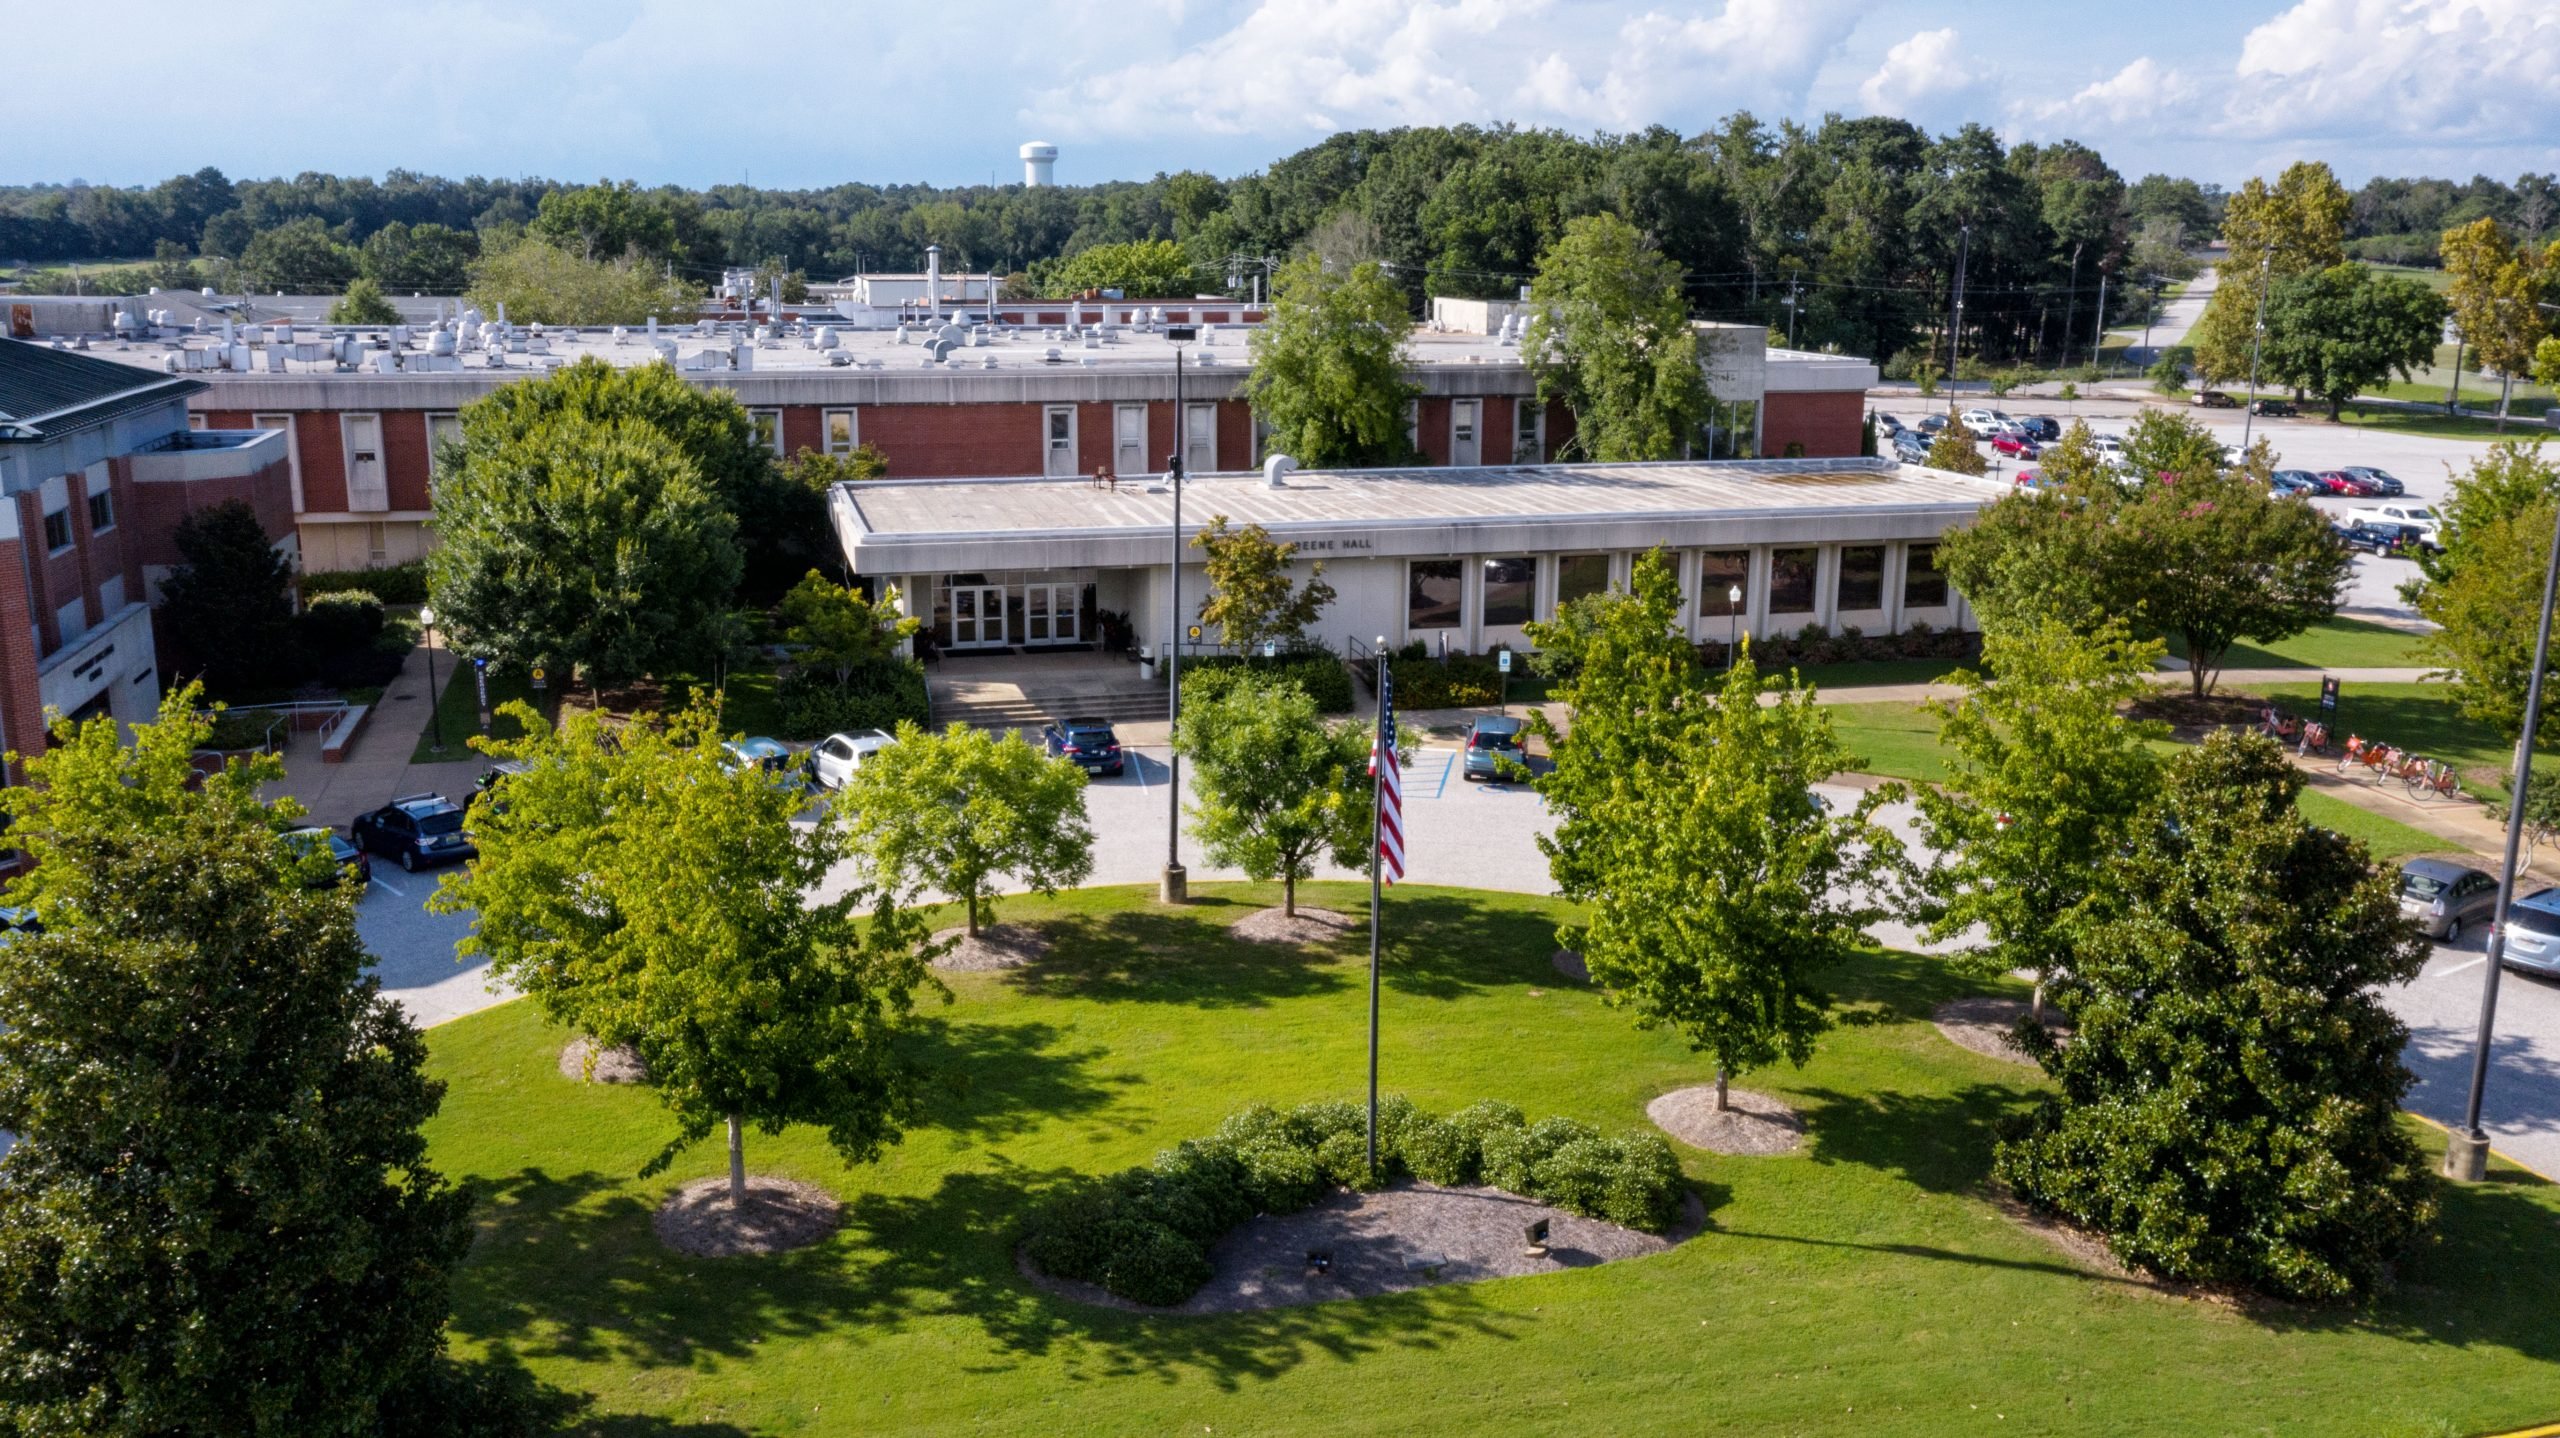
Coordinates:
(798, 92)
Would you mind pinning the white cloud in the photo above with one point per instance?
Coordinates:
(1929, 66)
(2134, 99)
(2418, 71)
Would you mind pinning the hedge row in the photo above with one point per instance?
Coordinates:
(1317, 672)
(1145, 1233)
(810, 704)
(399, 584)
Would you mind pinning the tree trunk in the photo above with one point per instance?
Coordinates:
(2336, 403)
(1289, 896)
(2506, 389)
(737, 1163)
(1723, 1081)
(2035, 1006)
(973, 916)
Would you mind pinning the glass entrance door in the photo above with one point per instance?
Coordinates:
(977, 616)
(1049, 614)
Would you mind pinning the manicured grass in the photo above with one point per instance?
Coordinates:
(2443, 426)
(2338, 644)
(2385, 837)
(458, 710)
(1872, 672)
(1863, 1286)
(749, 704)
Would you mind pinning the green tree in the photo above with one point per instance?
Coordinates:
(228, 603)
(2228, 1107)
(2037, 555)
(1251, 596)
(643, 891)
(581, 542)
(2270, 233)
(2045, 776)
(219, 1214)
(1955, 449)
(2498, 289)
(1328, 366)
(605, 221)
(957, 811)
(1139, 269)
(541, 283)
(428, 259)
(2484, 593)
(2335, 332)
(298, 257)
(363, 304)
(2169, 372)
(1609, 336)
(839, 630)
(1719, 888)
(1275, 788)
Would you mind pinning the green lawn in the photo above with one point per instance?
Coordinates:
(748, 701)
(2422, 717)
(1868, 673)
(1865, 1286)
(458, 710)
(2439, 425)
(2338, 644)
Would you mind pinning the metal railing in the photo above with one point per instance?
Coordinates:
(289, 716)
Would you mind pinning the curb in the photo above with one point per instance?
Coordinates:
(2552, 1429)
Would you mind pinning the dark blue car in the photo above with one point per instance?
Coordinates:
(1090, 743)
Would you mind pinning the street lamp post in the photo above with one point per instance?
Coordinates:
(2466, 1153)
(1175, 887)
(2257, 333)
(435, 697)
(1732, 622)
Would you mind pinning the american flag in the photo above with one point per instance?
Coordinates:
(1383, 765)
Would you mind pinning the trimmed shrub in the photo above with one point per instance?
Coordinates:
(341, 619)
(1455, 683)
(1315, 670)
(809, 704)
(398, 584)
(1145, 1233)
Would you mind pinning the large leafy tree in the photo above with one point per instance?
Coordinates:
(219, 1216)
(2227, 1110)
(2498, 289)
(606, 221)
(1251, 596)
(363, 304)
(538, 282)
(1277, 788)
(839, 630)
(2045, 776)
(585, 542)
(1139, 269)
(1609, 337)
(1956, 450)
(1718, 888)
(641, 890)
(2297, 226)
(428, 258)
(2484, 593)
(298, 257)
(228, 603)
(960, 811)
(1328, 366)
(2334, 333)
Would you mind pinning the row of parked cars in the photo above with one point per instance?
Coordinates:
(2448, 899)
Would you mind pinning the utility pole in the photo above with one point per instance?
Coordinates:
(2257, 333)
(2453, 390)
(2099, 347)
(1955, 314)
(1175, 887)
(1793, 290)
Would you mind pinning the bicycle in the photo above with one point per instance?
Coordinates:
(2353, 754)
(2430, 777)
(2315, 739)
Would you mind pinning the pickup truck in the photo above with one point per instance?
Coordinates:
(2427, 522)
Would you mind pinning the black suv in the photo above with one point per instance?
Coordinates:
(1089, 742)
(416, 829)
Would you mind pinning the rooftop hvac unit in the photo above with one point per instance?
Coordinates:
(386, 363)
(1207, 360)
(990, 362)
(621, 335)
(839, 357)
(1275, 471)
(827, 337)
(1053, 355)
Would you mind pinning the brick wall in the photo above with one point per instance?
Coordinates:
(324, 461)
(804, 427)
(934, 441)
(21, 702)
(1826, 424)
(406, 458)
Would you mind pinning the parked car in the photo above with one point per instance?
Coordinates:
(2338, 481)
(1930, 424)
(486, 790)
(416, 829)
(2427, 522)
(2376, 481)
(2215, 399)
(2380, 539)
(16, 919)
(342, 851)
(2233, 456)
(2042, 428)
(2273, 408)
(1493, 748)
(2445, 898)
(1887, 426)
(833, 759)
(2108, 448)
(1910, 447)
(771, 755)
(2291, 484)
(2533, 932)
(1984, 421)
(2030, 479)
(1089, 742)
(2017, 446)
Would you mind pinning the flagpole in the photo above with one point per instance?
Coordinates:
(1377, 797)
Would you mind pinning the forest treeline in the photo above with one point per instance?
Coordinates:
(1846, 232)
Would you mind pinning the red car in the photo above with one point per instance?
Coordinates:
(2338, 481)
(2015, 445)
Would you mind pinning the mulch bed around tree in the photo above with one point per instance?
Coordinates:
(1570, 964)
(2088, 1250)
(1406, 1236)
(998, 946)
(1307, 926)
(1752, 1123)
(618, 1064)
(779, 1214)
(1984, 1024)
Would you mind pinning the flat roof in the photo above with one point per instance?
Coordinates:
(890, 526)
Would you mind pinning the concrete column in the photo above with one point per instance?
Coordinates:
(1826, 588)
(1690, 566)
(1894, 557)
(1471, 602)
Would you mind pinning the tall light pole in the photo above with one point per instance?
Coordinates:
(1732, 622)
(2257, 332)
(2466, 1153)
(435, 697)
(1955, 314)
(1175, 887)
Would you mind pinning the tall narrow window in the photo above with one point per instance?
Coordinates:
(1129, 439)
(1720, 573)
(1861, 585)
(102, 511)
(1529, 443)
(1059, 458)
(1463, 449)
(1200, 436)
(1579, 576)
(1924, 585)
(843, 432)
(366, 490)
(1510, 588)
(768, 423)
(1434, 589)
(1791, 578)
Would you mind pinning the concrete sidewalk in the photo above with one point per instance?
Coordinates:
(377, 765)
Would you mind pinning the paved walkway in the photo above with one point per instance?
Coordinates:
(377, 765)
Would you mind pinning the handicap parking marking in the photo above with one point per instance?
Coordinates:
(1444, 774)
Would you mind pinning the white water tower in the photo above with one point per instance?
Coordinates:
(1039, 164)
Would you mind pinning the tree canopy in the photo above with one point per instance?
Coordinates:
(363, 304)
(2498, 289)
(839, 630)
(2484, 592)
(959, 811)
(1277, 789)
(2337, 332)
(2297, 226)
(537, 282)
(1138, 269)
(1328, 367)
(228, 604)
(1609, 338)
(1251, 596)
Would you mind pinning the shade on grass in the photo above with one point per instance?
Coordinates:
(1864, 1283)
(2420, 717)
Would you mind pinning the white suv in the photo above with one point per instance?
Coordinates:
(833, 759)
(2428, 523)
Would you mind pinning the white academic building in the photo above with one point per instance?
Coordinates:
(1460, 558)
